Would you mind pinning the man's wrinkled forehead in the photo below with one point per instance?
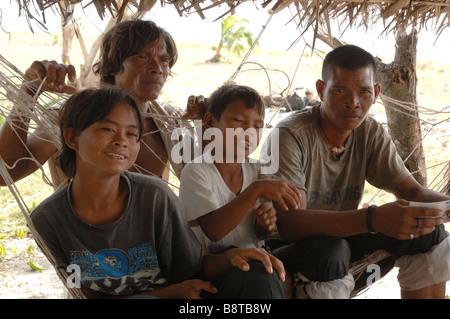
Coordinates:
(330, 69)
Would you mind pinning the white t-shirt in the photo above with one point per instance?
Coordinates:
(202, 190)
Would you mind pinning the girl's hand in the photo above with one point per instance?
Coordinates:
(239, 257)
(191, 289)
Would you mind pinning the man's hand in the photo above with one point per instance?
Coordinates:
(239, 257)
(196, 108)
(401, 221)
(54, 74)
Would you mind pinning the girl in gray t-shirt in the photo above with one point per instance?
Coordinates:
(125, 232)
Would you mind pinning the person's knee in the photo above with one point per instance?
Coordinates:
(332, 249)
(321, 258)
(425, 269)
(333, 255)
(256, 283)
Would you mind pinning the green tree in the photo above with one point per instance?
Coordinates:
(234, 37)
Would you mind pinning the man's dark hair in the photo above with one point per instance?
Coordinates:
(85, 108)
(349, 57)
(228, 93)
(126, 39)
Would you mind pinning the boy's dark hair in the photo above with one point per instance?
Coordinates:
(126, 39)
(349, 57)
(228, 93)
(85, 108)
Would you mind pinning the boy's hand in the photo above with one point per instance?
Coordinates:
(282, 192)
(265, 215)
(239, 257)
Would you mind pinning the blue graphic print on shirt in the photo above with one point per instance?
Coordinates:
(115, 263)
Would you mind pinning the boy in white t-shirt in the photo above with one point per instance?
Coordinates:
(225, 202)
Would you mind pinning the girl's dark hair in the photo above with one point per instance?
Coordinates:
(85, 108)
(125, 39)
(228, 93)
(349, 57)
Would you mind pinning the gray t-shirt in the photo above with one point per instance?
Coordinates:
(334, 183)
(149, 246)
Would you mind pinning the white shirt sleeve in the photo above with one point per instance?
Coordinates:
(196, 191)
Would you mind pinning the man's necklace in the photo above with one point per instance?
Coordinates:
(336, 151)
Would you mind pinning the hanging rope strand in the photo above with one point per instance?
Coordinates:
(233, 77)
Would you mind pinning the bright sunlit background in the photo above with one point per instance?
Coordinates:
(281, 32)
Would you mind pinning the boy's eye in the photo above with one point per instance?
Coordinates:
(238, 120)
(107, 129)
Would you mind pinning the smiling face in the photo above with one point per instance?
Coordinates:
(108, 146)
(347, 97)
(144, 74)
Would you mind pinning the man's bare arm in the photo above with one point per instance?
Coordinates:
(15, 141)
(396, 219)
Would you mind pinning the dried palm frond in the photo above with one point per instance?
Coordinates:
(396, 14)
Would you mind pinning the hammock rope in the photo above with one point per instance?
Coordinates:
(61, 273)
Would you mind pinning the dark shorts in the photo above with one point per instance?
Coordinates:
(255, 283)
(326, 258)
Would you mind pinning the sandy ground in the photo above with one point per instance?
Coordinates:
(19, 281)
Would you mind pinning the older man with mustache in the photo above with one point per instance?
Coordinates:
(136, 56)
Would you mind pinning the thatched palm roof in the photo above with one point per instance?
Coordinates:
(396, 14)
